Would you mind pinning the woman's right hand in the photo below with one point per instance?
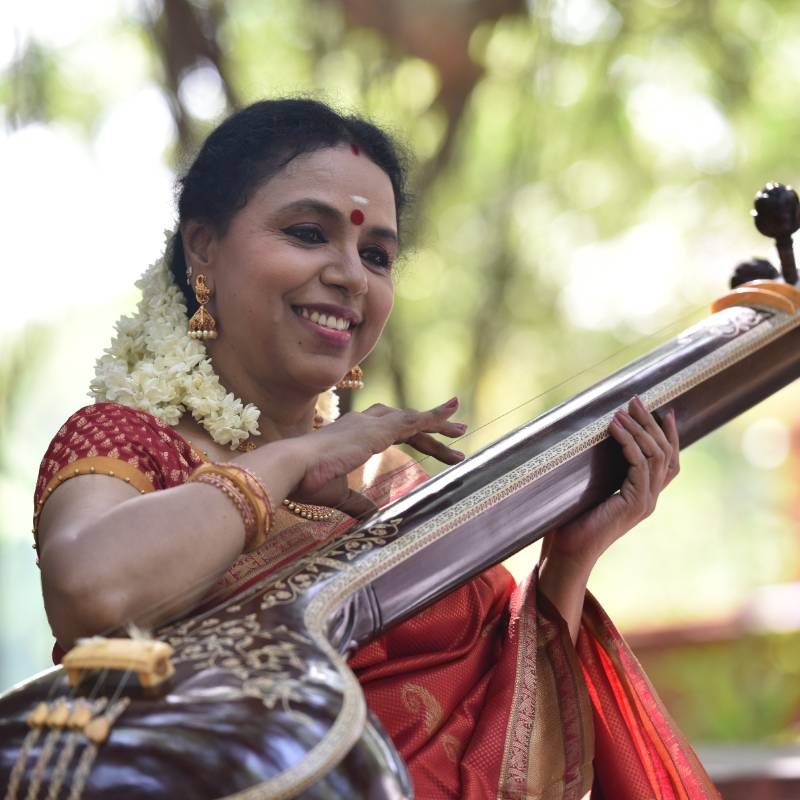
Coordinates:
(335, 450)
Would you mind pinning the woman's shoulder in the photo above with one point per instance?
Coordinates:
(98, 434)
(107, 414)
(108, 426)
(111, 439)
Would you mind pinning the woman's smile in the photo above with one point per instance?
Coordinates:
(332, 324)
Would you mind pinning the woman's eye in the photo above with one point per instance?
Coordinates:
(309, 234)
(377, 257)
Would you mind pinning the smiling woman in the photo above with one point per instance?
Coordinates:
(209, 462)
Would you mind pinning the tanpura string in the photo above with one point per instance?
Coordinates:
(60, 770)
(98, 683)
(95, 690)
(73, 693)
(51, 741)
(74, 739)
(30, 740)
(120, 685)
(59, 773)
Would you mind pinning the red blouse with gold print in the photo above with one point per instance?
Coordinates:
(111, 439)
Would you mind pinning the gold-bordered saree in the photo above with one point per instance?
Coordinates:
(483, 693)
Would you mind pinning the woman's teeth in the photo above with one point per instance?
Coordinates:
(326, 320)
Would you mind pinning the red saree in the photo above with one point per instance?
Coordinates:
(483, 693)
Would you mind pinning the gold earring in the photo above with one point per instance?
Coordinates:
(202, 325)
(354, 379)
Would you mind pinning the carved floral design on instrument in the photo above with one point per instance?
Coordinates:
(310, 572)
(329, 560)
(267, 663)
(361, 540)
(725, 325)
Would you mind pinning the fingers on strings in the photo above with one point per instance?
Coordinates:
(416, 428)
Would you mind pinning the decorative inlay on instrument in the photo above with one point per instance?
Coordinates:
(264, 676)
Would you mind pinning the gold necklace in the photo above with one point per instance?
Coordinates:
(308, 511)
(247, 446)
(304, 510)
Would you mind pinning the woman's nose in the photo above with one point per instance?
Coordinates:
(347, 272)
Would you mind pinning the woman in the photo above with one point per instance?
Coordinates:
(288, 230)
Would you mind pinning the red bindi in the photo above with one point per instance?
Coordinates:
(357, 216)
(354, 148)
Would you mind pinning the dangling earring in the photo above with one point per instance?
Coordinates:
(354, 379)
(202, 325)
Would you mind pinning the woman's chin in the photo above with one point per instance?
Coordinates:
(321, 383)
(319, 377)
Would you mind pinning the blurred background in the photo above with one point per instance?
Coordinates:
(583, 172)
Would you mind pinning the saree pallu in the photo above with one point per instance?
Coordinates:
(485, 696)
(483, 692)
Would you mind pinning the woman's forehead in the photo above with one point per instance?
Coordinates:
(335, 174)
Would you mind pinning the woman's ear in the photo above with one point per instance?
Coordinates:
(199, 248)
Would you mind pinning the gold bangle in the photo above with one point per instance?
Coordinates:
(243, 506)
(258, 495)
(220, 479)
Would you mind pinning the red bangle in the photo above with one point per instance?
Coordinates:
(228, 488)
(248, 494)
(257, 494)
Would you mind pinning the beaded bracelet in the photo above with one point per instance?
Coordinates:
(255, 491)
(248, 495)
(228, 488)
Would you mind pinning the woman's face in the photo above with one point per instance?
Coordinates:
(302, 279)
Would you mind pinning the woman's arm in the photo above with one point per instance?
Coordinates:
(110, 556)
(570, 553)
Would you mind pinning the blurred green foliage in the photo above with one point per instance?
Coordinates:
(732, 691)
(583, 173)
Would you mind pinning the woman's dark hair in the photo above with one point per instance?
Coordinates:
(254, 144)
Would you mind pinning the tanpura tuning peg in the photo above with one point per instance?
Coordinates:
(776, 214)
(754, 270)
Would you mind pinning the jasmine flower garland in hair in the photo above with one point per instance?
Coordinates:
(155, 366)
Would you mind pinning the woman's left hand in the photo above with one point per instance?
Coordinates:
(653, 456)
